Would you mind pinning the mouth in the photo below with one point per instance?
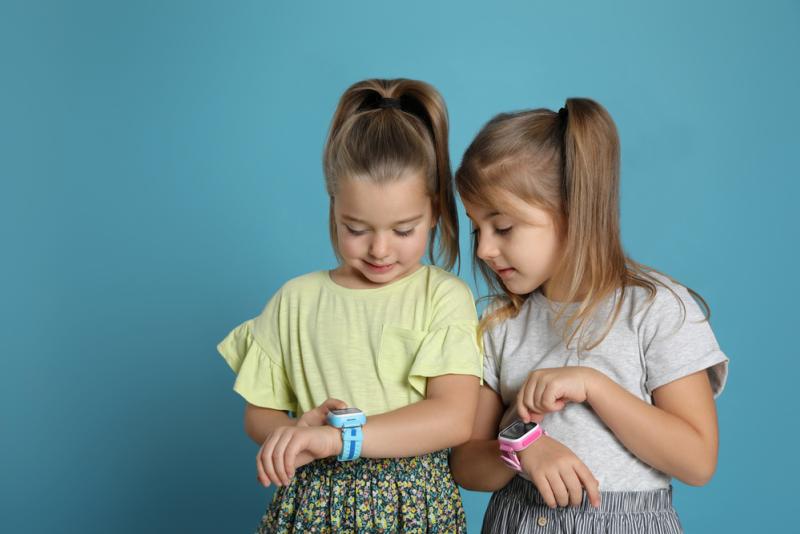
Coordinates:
(506, 272)
(379, 269)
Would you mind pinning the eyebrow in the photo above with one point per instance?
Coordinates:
(492, 214)
(404, 221)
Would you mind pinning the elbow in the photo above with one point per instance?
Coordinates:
(250, 428)
(460, 431)
(460, 470)
(458, 475)
(462, 434)
(700, 474)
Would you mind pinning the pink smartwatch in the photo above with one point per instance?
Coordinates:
(516, 437)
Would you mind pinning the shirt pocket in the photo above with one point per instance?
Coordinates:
(398, 349)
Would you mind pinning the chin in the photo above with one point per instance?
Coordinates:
(378, 278)
(521, 288)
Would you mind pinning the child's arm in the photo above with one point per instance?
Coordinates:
(558, 474)
(677, 434)
(261, 422)
(442, 420)
(476, 465)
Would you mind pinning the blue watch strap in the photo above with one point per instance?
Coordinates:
(352, 438)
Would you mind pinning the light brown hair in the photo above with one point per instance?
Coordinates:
(567, 163)
(383, 129)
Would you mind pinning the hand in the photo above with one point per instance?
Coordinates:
(558, 474)
(289, 447)
(549, 390)
(318, 416)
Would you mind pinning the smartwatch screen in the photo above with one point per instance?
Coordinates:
(517, 429)
(345, 411)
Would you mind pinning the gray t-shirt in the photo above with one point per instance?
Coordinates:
(649, 345)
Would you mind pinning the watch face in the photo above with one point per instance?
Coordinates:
(346, 411)
(517, 429)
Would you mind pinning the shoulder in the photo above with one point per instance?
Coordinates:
(304, 281)
(446, 285)
(301, 286)
(291, 293)
(667, 299)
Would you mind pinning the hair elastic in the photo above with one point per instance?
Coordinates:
(389, 103)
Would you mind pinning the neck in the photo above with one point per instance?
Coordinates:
(559, 292)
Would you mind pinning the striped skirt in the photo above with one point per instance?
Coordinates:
(519, 508)
(415, 494)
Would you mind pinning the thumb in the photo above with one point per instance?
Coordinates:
(333, 404)
(536, 417)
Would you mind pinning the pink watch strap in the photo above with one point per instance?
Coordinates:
(509, 454)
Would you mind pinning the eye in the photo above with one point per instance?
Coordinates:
(404, 233)
(355, 232)
(503, 231)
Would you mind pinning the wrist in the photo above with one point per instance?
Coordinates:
(531, 450)
(335, 439)
(593, 381)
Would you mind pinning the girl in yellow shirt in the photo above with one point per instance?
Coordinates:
(381, 333)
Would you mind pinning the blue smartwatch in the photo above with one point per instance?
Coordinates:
(350, 420)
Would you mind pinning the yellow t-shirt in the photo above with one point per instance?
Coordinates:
(372, 348)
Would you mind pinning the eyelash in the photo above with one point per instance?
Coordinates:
(362, 232)
(498, 231)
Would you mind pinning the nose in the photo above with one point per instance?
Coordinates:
(486, 248)
(379, 247)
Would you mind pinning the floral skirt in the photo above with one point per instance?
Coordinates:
(415, 494)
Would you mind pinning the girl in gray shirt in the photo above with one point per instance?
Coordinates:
(615, 361)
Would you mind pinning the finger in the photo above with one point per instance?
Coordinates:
(290, 458)
(590, 483)
(530, 399)
(551, 399)
(261, 474)
(536, 398)
(266, 456)
(522, 411)
(278, 456)
(334, 404)
(536, 417)
(541, 483)
(559, 488)
(573, 485)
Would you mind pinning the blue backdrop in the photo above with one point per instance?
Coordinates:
(161, 177)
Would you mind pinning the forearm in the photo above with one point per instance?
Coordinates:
(658, 438)
(420, 428)
(476, 465)
(259, 422)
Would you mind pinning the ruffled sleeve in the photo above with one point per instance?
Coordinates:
(450, 345)
(260, 377)
(449, 350)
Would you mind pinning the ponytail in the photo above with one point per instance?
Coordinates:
(567, 163)
(384, 128)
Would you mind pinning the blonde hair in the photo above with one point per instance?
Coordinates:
(381, 130)
(567, 163)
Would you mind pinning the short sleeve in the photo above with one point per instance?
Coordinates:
(677, 343)
(491, 352)
(260, 376)
(451, 345)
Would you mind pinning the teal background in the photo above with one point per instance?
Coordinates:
(161, 177)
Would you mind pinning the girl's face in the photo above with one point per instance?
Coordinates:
(382, 229)
(522, 248)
